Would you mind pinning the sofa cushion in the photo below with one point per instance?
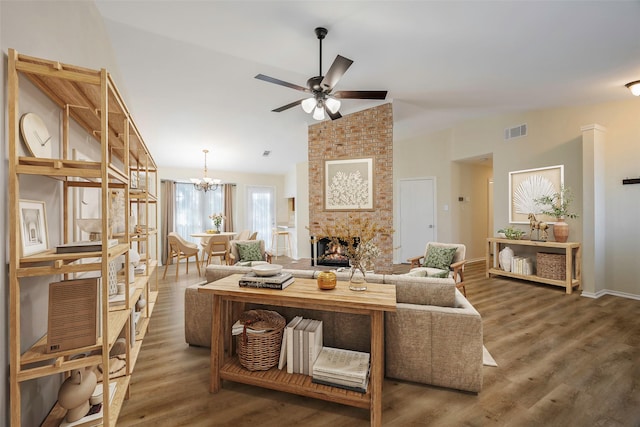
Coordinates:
(249, 251)
(439, 257)
(422, 291)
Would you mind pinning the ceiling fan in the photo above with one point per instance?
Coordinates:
(320, 87)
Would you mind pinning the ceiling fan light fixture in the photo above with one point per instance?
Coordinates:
(318, 113)
(308, 105)
(634, 87)
(332, 104)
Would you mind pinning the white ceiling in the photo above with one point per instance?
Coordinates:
(188, 66)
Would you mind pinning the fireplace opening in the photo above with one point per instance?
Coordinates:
(330, 253)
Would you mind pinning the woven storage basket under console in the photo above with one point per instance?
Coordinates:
(260, 351)
(551, 266)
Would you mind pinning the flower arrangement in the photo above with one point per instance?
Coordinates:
(357, 238)
(217, 220)
(557, 204)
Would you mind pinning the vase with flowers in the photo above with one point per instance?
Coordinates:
(217, 220)
(357, 238)
(557, 205)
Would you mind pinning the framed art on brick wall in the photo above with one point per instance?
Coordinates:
(348, 184)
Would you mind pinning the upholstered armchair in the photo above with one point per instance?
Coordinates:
(441, 260)
(248, 252)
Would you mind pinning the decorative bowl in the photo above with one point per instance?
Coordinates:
(266, 269)
(90, 225)
(327, 280)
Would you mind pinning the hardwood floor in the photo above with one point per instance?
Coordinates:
(563, 360)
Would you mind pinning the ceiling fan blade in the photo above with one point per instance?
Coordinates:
(360, 94)
(333, 116)
(286, 107)
(281, 83)
(336, 71)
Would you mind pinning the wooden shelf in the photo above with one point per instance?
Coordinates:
(572, 253)
(57, 414)
(276, 379)
(88, 98)
(303, 293)
(54, 363)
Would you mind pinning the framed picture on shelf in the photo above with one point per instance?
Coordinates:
(34, 235)
(348, 184)
(525, 186)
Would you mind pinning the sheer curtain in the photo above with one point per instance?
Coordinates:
(193, 208)
(261, 210)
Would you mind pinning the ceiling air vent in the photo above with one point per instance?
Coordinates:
(515, 132)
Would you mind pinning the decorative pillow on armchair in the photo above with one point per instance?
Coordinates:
(249, 251)
(439, 257)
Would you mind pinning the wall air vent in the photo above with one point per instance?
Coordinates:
(515, 132)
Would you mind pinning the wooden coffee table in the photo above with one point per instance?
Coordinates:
(303, 293)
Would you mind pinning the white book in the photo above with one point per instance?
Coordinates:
(315, 343)
(298, 345)
(346, 363)
(309, 336)
(289, 342)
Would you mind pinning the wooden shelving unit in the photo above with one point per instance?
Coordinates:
(90, 99)
(303, 293)
(573, 261)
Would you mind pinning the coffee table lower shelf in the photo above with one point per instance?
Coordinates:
(276, 379)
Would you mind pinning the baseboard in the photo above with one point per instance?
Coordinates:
(603, 292)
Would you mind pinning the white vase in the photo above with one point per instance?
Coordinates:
(505, 257)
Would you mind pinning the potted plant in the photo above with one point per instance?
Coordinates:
(557, 205)
(512, 233)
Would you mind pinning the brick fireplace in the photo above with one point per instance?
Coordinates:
(365, 134)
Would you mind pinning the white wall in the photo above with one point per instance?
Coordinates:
(71, 32)
(554, 137)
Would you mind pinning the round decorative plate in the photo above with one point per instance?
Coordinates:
(266, 269)
(36, 135)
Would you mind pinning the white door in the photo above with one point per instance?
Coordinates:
(417, 216)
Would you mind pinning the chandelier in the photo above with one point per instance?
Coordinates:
(205, 184)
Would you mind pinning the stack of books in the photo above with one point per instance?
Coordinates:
(278, 281)
(521, 265)
(301, 345)
(346, 369)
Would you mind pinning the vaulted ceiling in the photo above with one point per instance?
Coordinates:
(188, 66)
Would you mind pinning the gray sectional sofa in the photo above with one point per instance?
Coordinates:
(434, 337)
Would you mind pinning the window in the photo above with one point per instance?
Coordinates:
(261, 211)
(193, 208)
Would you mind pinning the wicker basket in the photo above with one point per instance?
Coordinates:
(260, 351)
(551, 266)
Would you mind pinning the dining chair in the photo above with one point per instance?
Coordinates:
(243, 235)
(180, 248)
(217, 246)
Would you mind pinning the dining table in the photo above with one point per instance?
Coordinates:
(222, 233)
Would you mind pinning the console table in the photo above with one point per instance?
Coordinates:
(303, 293)
(573, 259)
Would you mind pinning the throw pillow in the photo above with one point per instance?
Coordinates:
(439, 257)
(249, 251)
